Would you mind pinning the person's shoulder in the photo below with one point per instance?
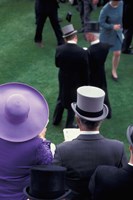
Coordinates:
(65, 144)
(115, 142)
(106, 168)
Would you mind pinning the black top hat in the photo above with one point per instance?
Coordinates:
(92, 26)
(47, 182)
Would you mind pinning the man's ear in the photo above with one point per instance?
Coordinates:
(77, 119)
(130, 147)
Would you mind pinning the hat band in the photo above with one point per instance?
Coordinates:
(89, 114)
(69, 33)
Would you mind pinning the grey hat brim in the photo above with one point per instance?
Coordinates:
(103, 116)
(26, 192)
(64, 36)
(129, 133)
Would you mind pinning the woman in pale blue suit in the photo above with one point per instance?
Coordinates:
(110, 20)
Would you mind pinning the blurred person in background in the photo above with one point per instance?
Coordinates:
(110, 20)
(127, 26)
(47, 9)
(97, 53)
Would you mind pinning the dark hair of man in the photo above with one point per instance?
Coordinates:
(90, 125)
(70, 37)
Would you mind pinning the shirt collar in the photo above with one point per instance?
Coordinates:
(130, 164)
(89, 132)
(71, 42)
(95, 42)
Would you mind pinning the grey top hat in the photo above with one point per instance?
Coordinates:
(130, 134)
(92, 26)
(90, 103)
(68, 30)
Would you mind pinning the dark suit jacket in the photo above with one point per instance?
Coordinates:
(98, 54)
(110, 182)
(97, 57)
(72, 62)
(82, 155)
(127, 14)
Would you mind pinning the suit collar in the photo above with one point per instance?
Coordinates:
(128, 167)
(90, 137)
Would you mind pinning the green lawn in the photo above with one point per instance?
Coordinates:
(21, 60)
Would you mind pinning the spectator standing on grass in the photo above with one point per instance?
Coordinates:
(110, 20)
(97, 53)
(83, 154)
(85, 8)
(23, 120)
(109, 182)
(72, 62)
(47, 9)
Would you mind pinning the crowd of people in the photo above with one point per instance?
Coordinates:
(76, 169)
(91, 166)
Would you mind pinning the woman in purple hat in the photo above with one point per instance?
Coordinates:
(23, 118)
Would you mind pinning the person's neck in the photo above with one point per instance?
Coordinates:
(114, 4)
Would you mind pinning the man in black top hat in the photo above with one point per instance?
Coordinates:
(47, 183)
(98, 53)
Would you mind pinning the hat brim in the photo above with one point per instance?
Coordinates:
(64, 36)
(103, 116)
(129, 133)
(26, 192)
(37, 118)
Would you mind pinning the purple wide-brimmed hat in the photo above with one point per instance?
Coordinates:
(24, 112)
(90, 103)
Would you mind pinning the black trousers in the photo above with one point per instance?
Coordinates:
(41, 15)
(128, 34)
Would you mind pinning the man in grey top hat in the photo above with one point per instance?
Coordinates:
(82, 155)
(110, 182)
(72, 62)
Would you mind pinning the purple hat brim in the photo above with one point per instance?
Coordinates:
(37, 118)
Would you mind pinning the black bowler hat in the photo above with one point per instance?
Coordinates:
(92, 26)
(47, 182)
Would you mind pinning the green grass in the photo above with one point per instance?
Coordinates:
(21, 60)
